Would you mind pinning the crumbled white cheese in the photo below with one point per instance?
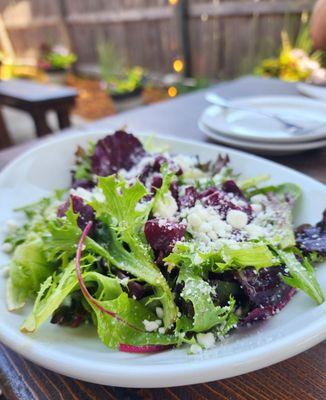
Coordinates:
(195, 349)
(138, 168)
(206, 226)
(98, 195)
(7, 247)
(159, 312)
(187, 164)
(255, 231)
(197, 259)
(206, 340)
(151, 326)
(83, 193)
(166, 207)
(161, 330)
(124, 281)
(257, 208)
(236, 218)
(258, 198)
(11, 225)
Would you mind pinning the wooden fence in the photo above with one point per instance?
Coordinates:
(217, 38)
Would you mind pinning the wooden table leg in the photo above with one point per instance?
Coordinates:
(41, 125)
(5, 140)
(64, 117)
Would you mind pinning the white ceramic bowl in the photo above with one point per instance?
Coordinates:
(80, 354)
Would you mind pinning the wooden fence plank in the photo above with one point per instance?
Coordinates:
(236, 8)
(149, 33)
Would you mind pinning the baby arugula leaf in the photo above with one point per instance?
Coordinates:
(302, 276)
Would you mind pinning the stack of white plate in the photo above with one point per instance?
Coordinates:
(249, 130)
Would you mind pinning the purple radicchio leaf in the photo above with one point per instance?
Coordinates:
(230, 186)
(151, 170)
(266, 291)
(228, 198)
(86, 212)
(312, 238)
(135, 289)
(82, 183)
(214, 167)
(118, 151)
(217, 166)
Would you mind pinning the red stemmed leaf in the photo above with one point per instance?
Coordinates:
(83, 287)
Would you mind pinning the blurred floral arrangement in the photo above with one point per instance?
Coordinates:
(57, 58)
(117, 79)
(296, 62)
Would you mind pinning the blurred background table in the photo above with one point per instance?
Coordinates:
(301, 377)
(37, 99)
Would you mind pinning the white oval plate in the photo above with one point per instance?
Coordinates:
(316, 92)
(307, 113)
(259, 147)
(80, 354)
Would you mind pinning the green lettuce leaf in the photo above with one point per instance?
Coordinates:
(62, 237)
(28, 269)
(37, 214)
(193, 268)
(253, 182)
(113, 332)
(57, 287)
(302, 276)
(206, 314)
(255, 255)
(280, 190)
(249, 254)
(163, 196)
(124, 216)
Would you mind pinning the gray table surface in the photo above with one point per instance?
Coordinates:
(31, 91)
(301, 377)
(178, 117)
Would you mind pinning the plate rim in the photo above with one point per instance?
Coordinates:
(179, 373)
(280, 140)
(260, 146)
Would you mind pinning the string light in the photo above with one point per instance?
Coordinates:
(173, 2)
(178, 65)
(172, 91)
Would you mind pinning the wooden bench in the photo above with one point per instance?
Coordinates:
(37, 99)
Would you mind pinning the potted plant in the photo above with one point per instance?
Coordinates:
(123, 85)
(298, 62)
(56, 62)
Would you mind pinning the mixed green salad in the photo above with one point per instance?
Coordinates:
(158, 250)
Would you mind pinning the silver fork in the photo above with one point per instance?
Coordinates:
(224, 103)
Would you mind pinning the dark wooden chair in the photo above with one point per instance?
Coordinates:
(37, 99)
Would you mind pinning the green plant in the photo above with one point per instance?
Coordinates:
(60, 61)
(118, 79)
(56, 58)
(297, 61)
